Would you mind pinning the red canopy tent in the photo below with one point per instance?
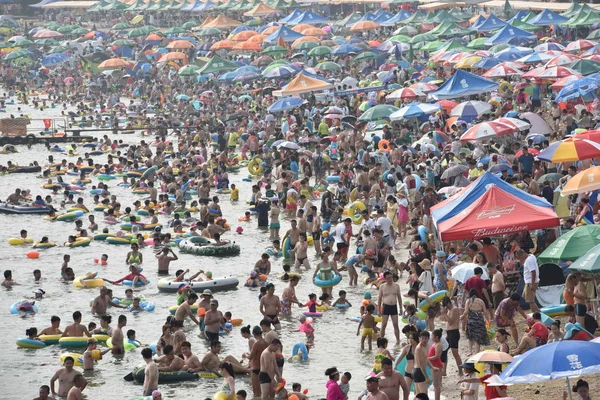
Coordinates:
(496, 213)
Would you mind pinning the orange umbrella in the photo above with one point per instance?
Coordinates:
(153, 36)
(260, 38)
(301, 27)
(180, 44)
(115, 63)
(173, 56)
(364, 26)
(270, 30)
(243, 36)
(247, 46)
(222, 44)
(305, 39)
(374, 43)
(314, 32)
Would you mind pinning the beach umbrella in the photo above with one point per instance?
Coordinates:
(423, 37)
(120, 26)
(467, 62)
(47, 34)
(222, 44)
(286, 144)
(115, 63)
(209, 32)
(176, 30)
(487, 63)
(189, 25)
(454, 171)
(262, 61)
(260, 38)
(556, 73)
(18, 54)
(182, 97)
(301, 27)
(180, 44)
(173, 56)
(589, 262)
(571, 149)
(491, 357)
(562, 82)
(578, 241)
(247, 46)
(23, 43)
(586, 67)
(274, 50)
(464, 271)
(512, 53)
(562, 59)
(367, 55)
(279, 72)
(447, 105)
(585, 181)
(406, 30)
(404, 93)
(414, 110)
(532, 74)
(137, 32)
(424, 87)
(314, 32)
(247, 76)
(243, 36)
(328, 66)
(594, 35)
(535, 58)
(548, 46)
(502, 71)
(518, 124)
(55, 59)
(320, 51)
(286, 103)
(486, 130)
(479, 43)
(577, 46)
(378, 112)
(470, 109)
(552, 177)
(399, 38)
(58, 49)
(305, 45)
(431, 46)
(364, 26)
(188, 70)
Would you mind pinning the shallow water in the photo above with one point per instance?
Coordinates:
(23, 371)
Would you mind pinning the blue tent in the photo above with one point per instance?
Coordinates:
(286, 103)
(294, 14)
(476, 190)
(308, 17)
(492, 23)
(190, 7)
(204, 6)
(367, 17)
(288, 35)
(480, 20)
(519, 16)
(509, 34)
(463, 83)
(345, 49)
(547, 17)
(382, 17)
(400, 16)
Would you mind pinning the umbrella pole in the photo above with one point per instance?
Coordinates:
(569, 389)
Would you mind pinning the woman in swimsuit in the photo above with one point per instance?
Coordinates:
(408, 352)
(134, 256)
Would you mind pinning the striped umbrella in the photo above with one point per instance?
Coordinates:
(502, 71)
(579, 45)
(562, 59)
(556, 73)
(571, 149)
(486, 130)
(404, 93)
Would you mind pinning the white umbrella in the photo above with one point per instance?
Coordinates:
(519, 124)
(464, 271)
(470, 109)
(288, 145)
(538, 124)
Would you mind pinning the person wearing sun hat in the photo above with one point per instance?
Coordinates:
(425, 279)
(439, 271)
(469, 387)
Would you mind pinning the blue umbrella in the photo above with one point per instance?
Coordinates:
(346, 48)
(245, 69)
(241, 28)
(487, 63)
(414, 110)
(279, 72)
(500, 168)
(554, 361)
(183, 97)
(579, 88)
(54, 59)
(247, 76)
(286, 103)
(227, 76)
(513, 53)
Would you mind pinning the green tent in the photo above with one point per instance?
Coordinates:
(460, 14)
(572, 245)
(349, 20)
(586, 67)
(443, 16)
(217, 64)
(238, 6)
(478, 43)
(293, 4)
(594, 35)
(90, 62)
(115, 6)
(159, 5)
(432, 46)
(525, 26)
(96, 7)
(423, 37)
(526, 18)
(137, 5)
(414, 19)
(454, 45)
(582, 19)
(450, 29)
(226, 6)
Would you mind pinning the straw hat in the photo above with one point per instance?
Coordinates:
(425, 264)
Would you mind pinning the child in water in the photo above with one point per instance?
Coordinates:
(307, 327)
(342, 301)
(312, 303)
(368, 323)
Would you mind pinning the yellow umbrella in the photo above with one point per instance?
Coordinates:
(137, 19)
(467, 62)
(585, 181)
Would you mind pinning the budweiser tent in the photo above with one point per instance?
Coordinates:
(496, 212)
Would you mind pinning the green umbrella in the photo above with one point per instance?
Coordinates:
(23, 43)
(189, 25)
(58, 49)
(400, 38)
(253, 22)
(274, 50)
(329, 66)
(320, 51)
(594, 35)
(5, 45)
(380, 111)
(46, 42)
(65, 29)
(148, 29)
(478, 43)
(275, 64)
(120, 26)
(306, 46)
(21, 61)
(499, 47)
(552, 177)
(589, 262)
(586, 67)
(217, 64)
(432, 46)
(21, 53)
(423, 37)
(137, 32)
(406, 30)
(123, 43)
(52, 25)
(188, 70)
(80, 31)
(209, 32)
(572, 245)
(367, 55)
(176, 30)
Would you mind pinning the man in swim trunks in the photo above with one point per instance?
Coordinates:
(389, 298)
(315, 228)
(391, 381)
(420, 378)
(150, 373)
(343, 232)
(213, 321)
(293, 233)
(270, 306)
(65, 376)
(164, 259)
(117, 336)
(184, 309)
(269, 371)
(53, 329)
(254, 359)
(288, 297)
(76, 329)
(301, 252)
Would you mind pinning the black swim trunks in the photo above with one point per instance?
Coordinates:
(580, 310)
(274, 319)
(316, 235)
(255, 371)
(418, 376)
(161, 272)
(390, 309)
(453, 337)
(211, 336)
(263, 377)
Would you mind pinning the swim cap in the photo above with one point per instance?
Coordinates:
(253, 274)
(367, 295)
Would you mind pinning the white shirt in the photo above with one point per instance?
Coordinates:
(426, 282)
(529, 266)
(340, 231)
(367, 224)
(384, 223)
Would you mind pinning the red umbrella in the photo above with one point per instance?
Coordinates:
(594, 136)
(579, 45)
(533, 73)
(404, 93)
(486, 130)
(530, 150)
(447, 105)
(47, 34)
(562, 82)
(556, 73)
